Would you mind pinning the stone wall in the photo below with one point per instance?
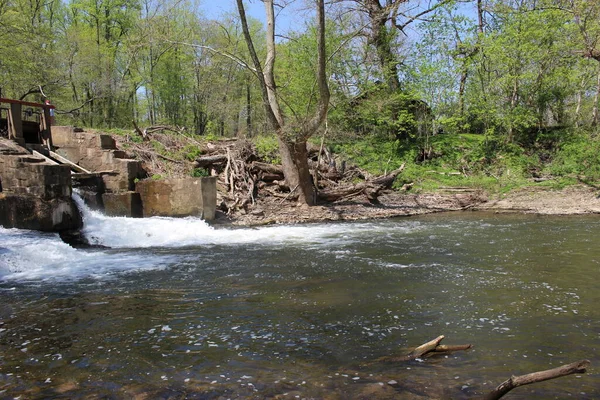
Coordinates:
(119, 193)
(179, 197)
(33, 193)
(112, 185)
(98, 153)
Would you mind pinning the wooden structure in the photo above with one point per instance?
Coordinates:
(18, 123)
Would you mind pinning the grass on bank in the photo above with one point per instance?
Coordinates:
(555, 160)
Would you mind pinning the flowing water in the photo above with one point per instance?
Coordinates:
(174, 308)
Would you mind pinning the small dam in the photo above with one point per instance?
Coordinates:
(41, 165)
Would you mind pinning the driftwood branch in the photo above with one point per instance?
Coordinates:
(428, 348)
(578, 367)
(434, 346)
(137, 130)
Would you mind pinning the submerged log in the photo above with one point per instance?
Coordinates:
(578, 367)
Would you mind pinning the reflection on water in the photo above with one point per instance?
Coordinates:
(300, 312)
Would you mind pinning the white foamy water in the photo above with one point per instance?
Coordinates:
(121, 232)
(28, 255)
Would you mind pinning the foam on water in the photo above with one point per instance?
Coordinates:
(28, 255)
(121, 232)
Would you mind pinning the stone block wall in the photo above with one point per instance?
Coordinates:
(166, 197)
(33, 193)
(96, 153)
(179, 197)
(24, 175)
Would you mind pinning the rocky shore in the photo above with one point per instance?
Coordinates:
(573, 200)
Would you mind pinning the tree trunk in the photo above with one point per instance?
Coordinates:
(461, 90)
(381, 38)
(595, 116)
(292, 140)
(294, 160)
(579, 102)
(248, 110)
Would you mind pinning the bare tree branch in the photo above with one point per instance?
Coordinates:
(232, 57)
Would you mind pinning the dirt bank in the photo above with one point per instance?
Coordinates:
(569, 201)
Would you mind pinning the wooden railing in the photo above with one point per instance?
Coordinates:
(14, 111)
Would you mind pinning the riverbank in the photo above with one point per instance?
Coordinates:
(572, 200)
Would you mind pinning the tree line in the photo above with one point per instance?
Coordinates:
(506, 66)
(405, 69)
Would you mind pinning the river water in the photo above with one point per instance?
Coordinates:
(177, 309)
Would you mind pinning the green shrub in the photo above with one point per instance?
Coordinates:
(200, 172)
(267, 148)
(579, 156)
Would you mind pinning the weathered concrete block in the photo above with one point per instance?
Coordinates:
(71, 153)
(32, 212)
(62, 136)
(35, 194)
(129, 170)
(44, 180)
(179, 197)
(106, 142)
(126, 204)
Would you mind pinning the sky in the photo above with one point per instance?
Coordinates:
(294, 15)
(291, 17)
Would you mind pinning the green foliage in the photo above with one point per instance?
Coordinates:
(191, 152)
(199, 172)
(374, 154)
(472, 161)
(394, 116)
(577, 157)
(267, 148)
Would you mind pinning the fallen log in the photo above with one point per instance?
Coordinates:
(578, 367)
(370, 188)
(388, 180)
(268, 168)
(206, 161)
(269, 177)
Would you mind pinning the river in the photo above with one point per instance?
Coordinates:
(175, 308)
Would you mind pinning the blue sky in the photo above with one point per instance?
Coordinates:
(291, 17)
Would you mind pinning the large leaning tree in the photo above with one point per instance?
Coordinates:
(292, 134)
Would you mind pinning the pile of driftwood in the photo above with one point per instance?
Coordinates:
(244, 178)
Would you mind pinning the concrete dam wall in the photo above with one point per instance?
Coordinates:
(36, 184)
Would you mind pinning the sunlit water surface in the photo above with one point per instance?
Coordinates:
(177, 309)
